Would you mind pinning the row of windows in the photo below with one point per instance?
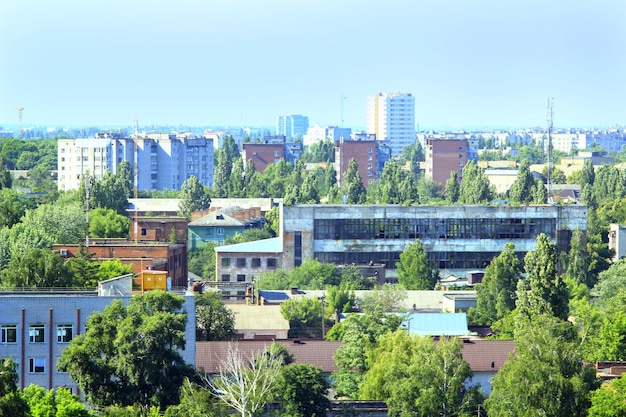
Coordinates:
(510, 228)
(254, 262)
(36, 333)
(37, 365)
(442, 260)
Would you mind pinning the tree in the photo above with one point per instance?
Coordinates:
(474, 187)
(577, 261)
(611, 281)
(353, 188)
(11, 401)
(246, 383)
(608, 400)
(83, 268)
(54, 402)
(496, 292)
(415, 271)
(521, 190)
(543, 290)
(194, 197)
(428, 378)
(195, 402)
(214, 321)
(272, 221)
(131, 355)
(111, 268)
(452, 188)
(37, 268)
(202, 261)
(546, 376)
(357, 333)
(12, 208)
(303, 390)
(107, 223)
(5, 175)
(304, 316)
(248, 235)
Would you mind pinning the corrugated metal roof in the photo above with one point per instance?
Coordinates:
(216, 218)
(436, 324)
(273, 245)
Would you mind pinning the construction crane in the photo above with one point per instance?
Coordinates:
(19, 118)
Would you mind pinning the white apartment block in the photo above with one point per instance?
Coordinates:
(292, 126)
(391, 117)
(319, 134)
(160, 161)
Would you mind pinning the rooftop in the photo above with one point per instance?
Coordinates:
(273, 245)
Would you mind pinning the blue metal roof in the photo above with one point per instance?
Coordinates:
(436, 324)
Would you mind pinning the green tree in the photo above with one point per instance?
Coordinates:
(304, 316)
(131, 355)
(452, 188)
(214, 321)
(474, 187)
(352, 278)
(341, 299)
(107, 223)
(195, 402)
(12, 207)
(37, 268)
(5, 175)
(357, 332)
(194, 197)
(577, 261)
(385, 299)
(303, 390)
(353, 188)
(54, 402)
(111, 268)
(611, 281)
(202, 261)
(415, 272)
(236, 183)
(248, 235)
(496, 292)
(428, 378)
(221, 177)
(608, 400)
(63, 224)
(246, 383)
(521, 191)
(83, 267)
(11, 401)
(546, 375)
(543, 289)
(272, 221)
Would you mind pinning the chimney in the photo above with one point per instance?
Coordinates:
(294, 290)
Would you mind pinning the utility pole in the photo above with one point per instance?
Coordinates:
(322, 298)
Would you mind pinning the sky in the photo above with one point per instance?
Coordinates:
(469, 63)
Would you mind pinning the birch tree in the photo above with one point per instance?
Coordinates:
(246, 382)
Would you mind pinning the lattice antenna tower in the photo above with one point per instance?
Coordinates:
(549, 123)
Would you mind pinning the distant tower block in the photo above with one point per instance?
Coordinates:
(19, 118)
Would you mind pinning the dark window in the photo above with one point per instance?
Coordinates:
(241, 278)
(37, 365)
(271, 262)
(64, 333)
(256, 262)
(225, 261)
(143, 231)
(9, 333)
(241, 262)
(226, 277)
(36, 333)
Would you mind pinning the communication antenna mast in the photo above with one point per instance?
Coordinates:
(549, 123)
(19, 118)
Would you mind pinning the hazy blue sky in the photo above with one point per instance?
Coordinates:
(217, 62)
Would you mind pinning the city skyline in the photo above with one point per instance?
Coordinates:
(475, 64)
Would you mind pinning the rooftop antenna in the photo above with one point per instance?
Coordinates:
(549, 123)
(19, 118)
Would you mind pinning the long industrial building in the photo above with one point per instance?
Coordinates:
(456, 238)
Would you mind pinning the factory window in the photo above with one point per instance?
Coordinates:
(241, 262)
(143, 231)
(271, 262)
(241, 278)
(64, 333)
(37, 365)
(226, 262)
(36, 333)
(225, 277)
(256, 262)
(9, 333)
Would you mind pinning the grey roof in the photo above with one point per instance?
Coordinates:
(154, 204)
(217, 218)
(273, 245)
(437, 324)
(265, 204)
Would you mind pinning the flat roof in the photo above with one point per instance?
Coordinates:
(273, 245)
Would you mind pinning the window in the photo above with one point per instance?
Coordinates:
(225, 277)
(9, 333)
(256, 262)
(143, 231)
(241, 278)
(460, 163)
(220, 231)
(271, 262)
(64, 333)
(225, 261)
(369, 150)
(241, 262)
(276, 154)
(37, 365)
(36, 333)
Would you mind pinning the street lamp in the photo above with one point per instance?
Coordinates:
(323, 296)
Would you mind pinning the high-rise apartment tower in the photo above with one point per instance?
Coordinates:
(391, 117)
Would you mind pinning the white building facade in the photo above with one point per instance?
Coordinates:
(292, 126)
(391, 117)
(159, 161)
